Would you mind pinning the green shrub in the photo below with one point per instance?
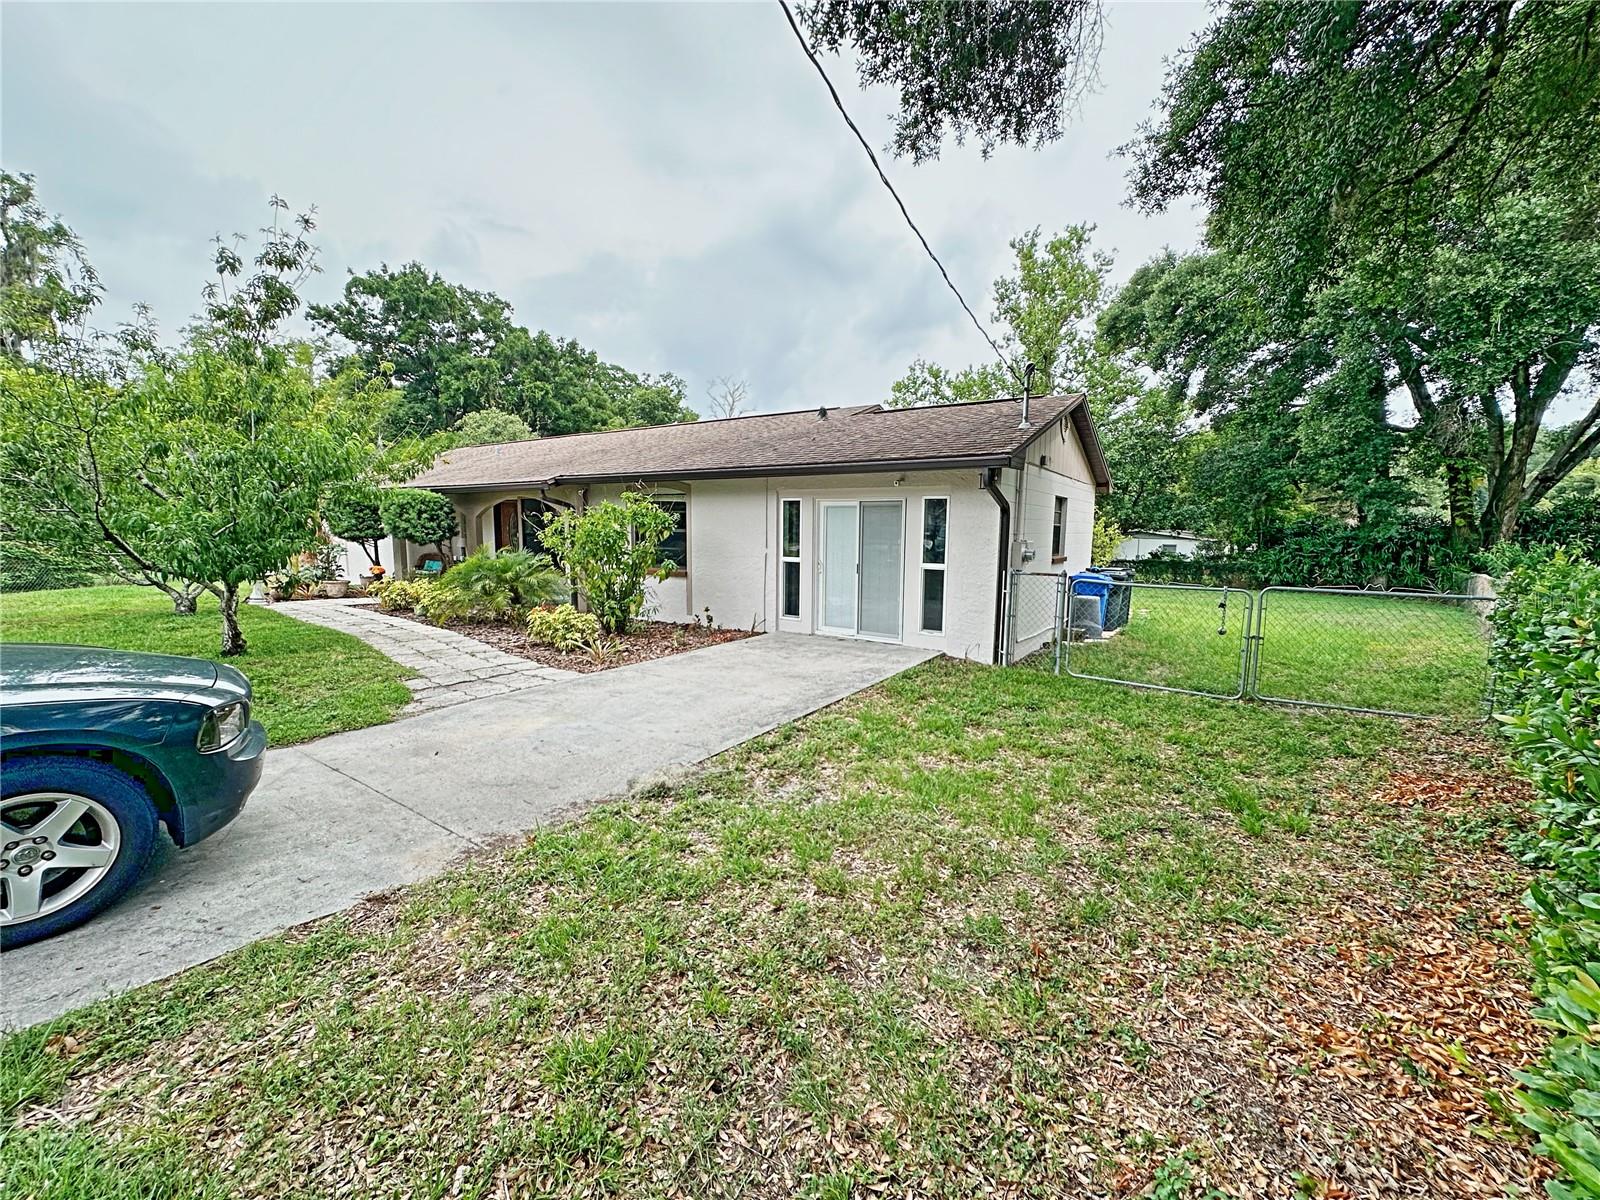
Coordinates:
(1546, 658)
(423, 517)
(1571, 519)
(403, 595)
(1319, 552)
(563, 628)
(495, 587)
(611, 549)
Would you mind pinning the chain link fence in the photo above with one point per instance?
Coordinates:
(1403, 653)
(1398, 653)
(1169, 636)
(25, 568)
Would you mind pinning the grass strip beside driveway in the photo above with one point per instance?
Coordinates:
(976, 931)
(308, 681)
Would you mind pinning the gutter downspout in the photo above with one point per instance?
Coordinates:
(991, 478)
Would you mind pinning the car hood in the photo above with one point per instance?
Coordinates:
(27, 671)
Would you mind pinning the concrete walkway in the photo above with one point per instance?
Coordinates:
(341, 817)
(451, 667)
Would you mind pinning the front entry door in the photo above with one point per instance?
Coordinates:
(862, 561)
(507, 525)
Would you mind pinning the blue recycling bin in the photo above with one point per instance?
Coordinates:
(1090, 583)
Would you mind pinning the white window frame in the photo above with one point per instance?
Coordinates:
(1058, 529)
(923, 567)
(785, 559)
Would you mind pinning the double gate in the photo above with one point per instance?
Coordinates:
(1396, 653)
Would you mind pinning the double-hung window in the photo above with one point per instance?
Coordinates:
(789, 565)
(674, 547)
(1058, 539)
(935, 524)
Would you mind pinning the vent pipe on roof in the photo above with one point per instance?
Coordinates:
(1027, 389)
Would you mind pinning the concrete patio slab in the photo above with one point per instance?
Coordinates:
(336, 819)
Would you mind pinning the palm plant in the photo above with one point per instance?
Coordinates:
(491, 586)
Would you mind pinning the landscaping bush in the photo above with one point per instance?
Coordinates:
(1326, 553)
(495, 587)
(1546, 657)
(403, 595)
(611, 550)
(1571, 520)
(563, 628)
(419, 516)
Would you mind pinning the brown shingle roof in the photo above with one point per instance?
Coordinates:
(864, 437)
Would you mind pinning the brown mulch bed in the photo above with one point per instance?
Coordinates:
(645, 641)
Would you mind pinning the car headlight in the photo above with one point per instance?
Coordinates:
(223, 726)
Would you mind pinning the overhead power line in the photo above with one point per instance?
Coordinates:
(876, 166)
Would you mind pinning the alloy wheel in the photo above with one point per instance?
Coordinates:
(55, 848)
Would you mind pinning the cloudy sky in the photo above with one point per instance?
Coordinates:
(668, 183)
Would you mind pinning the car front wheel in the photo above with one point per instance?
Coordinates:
(75, 835)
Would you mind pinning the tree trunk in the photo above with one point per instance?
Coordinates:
(1458, 488)
(232, 638)
(184, 604)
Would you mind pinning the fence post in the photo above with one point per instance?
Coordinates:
(1257, 616)
(1061, 616)
(1013, 579)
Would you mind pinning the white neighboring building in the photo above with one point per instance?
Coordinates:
(1144, 543)
(895, 525)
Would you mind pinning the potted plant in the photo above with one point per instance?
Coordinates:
(375, 575)
(329, 572)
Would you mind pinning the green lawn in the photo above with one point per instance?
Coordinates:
(308, 681)
(1366, 651)
(973, 932)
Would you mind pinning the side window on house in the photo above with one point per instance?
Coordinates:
(675, 549)
(935, 525)
(1058, 537)
(789, 566)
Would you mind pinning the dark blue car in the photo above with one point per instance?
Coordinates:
(97, 749)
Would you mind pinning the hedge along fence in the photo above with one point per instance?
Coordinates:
(1321, 553)
(1547, 662)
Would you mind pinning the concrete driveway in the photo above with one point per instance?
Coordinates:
(355, 813)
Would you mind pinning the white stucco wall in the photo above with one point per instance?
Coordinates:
(1055, 467)
(356, 562)
(734, 560)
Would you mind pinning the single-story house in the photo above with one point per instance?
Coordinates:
(1141, 543)
(898, 525)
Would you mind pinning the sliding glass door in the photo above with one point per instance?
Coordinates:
(863, 567)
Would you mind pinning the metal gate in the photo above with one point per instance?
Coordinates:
(1407, 654)
(1403, 654)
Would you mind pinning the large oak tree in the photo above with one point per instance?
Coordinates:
(1410, 190)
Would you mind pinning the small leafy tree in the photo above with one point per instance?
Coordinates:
(610, 551)
(419, 516)
(353, 515)
(239, 458)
